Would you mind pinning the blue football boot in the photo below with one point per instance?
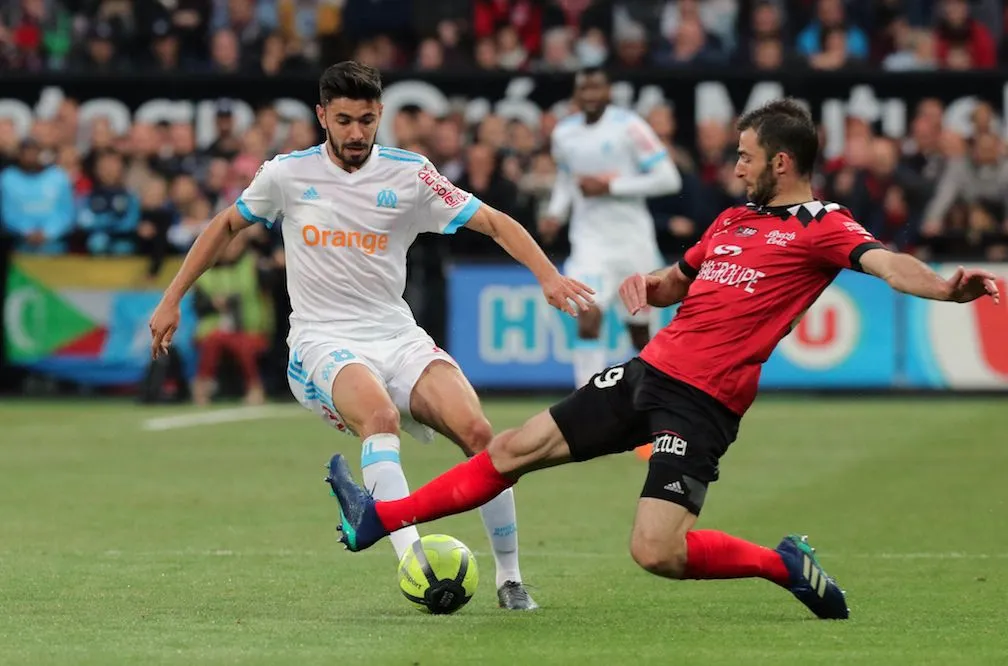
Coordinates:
(359, 521)
(809, 581)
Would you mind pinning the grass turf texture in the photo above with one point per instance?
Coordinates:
(216, 544)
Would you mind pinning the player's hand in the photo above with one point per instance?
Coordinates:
(634, 290)
(163, 324)
(594, 186)
(549, 227)
(565, 293)
(967, 285)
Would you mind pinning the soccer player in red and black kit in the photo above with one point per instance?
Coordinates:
(743, 287)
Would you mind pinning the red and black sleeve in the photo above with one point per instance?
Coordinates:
(839, 241)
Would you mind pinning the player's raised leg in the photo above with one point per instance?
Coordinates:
(513, 453)
(445, 400)
(366, 407)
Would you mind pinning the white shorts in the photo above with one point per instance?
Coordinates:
(397, 362)
(605, 274)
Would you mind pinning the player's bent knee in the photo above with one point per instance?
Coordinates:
(381, 419)
(476, 435)
(662, 557)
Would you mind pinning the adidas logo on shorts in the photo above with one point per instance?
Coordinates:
(675, 487)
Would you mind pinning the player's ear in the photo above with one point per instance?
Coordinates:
(320, 115)
(780, 161)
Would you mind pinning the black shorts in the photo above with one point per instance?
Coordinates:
(632, 404)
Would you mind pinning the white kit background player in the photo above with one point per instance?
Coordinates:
(608, 162)
(350, 210)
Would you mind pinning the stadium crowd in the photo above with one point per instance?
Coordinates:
(66, 187)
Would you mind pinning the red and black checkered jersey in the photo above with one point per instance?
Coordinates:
(755, 271)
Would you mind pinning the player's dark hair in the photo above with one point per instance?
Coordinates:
(350, 79)
(591, 71)
(785, 126)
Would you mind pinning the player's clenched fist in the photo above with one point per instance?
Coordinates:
(634, 291)
(564, 293)
(163, 324)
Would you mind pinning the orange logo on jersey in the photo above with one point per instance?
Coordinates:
(368, 242)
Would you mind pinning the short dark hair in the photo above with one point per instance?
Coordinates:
(349, 79)
(785, 126)
(591, 70)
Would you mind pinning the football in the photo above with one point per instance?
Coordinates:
(438, 574)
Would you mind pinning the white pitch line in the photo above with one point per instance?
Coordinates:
(218, 416)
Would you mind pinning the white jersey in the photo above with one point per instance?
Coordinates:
(346, 234)
(618, 144)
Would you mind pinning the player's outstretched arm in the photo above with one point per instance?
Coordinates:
(907, 274)
(202, 255)
(561, 292)
(662, 288)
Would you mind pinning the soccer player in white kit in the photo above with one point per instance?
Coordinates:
(608, 162)
(349, 210)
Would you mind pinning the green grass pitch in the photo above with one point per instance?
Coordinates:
(216, 544)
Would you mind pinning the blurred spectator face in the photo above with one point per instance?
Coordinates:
(254, 143)
(109, 170)
(217, 175)
(387, 52)
(268, 122)
(69, 159)
(768, 54)
(507, 39)
(983, 118)
(154, 193)
(224, 50)
(557, 49)
(68, 120)
(448, 33)
(689, 38)
(183, 139)
(480, 160)
(184, 191)
(958, 58)
(547, 124)
(662, 121)
(521, 138)
(952, 144)
(225, 123)
(447, 142)
(987, 149)
(166, 50)
(30, 157)
(492, 132)
(486, 53)
(274, 54)
(712, 139)
(404, 127)
(956, 13)
(425, 125)
(8, 136)
(885, 157)
(766, 19)
(542, 165)
(143, 139)
(241, 12)
(45, 134)
(689, 9)
(101, 50)
(301, 136)
(830, 13)
(430, 55)
(835, 43)
(102, 136)
(591, 94)
(592, 49)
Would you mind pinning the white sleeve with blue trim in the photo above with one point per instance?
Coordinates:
(442, 207)
(659, 176)
(261, 201)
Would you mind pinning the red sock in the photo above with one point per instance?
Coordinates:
(466, 486)
(711, 554)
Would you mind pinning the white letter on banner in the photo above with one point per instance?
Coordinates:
(511, 327)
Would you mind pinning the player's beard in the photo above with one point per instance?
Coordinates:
(765, 188)
(347, 159)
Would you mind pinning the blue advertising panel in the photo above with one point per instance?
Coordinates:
(504, 335)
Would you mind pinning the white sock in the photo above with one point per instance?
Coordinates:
(502, 528)
(589, 358)
(383, 476)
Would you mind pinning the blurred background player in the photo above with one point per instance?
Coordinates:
(608, 162)
(350, 210)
